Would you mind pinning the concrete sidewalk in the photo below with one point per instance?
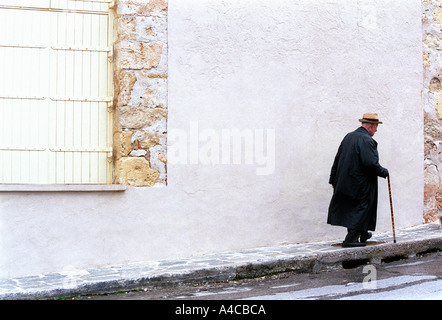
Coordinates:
(308, 257)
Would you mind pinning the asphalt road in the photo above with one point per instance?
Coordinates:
(411, 279)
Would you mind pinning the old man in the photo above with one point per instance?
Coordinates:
(355, 186)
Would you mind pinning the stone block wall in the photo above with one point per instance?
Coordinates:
(140, 98)
(432, 97)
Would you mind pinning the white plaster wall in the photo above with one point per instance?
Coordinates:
(308, 70)
(305, 69)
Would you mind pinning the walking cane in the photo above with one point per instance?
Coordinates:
(391, 207)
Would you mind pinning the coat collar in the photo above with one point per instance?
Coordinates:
(364, 131)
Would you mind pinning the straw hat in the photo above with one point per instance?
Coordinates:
(370, 117)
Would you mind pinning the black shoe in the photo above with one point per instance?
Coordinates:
(365, 236)
(347, 244)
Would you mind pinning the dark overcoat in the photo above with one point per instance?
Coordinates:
(355, 185)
